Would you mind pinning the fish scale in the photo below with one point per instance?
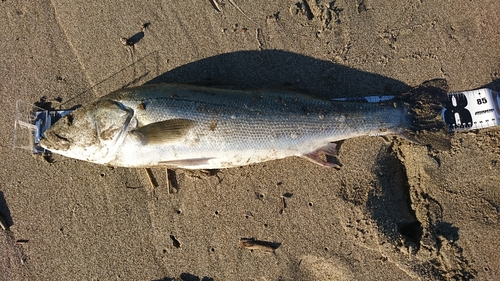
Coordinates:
(272, 121)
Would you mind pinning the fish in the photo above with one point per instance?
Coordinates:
(199, 127)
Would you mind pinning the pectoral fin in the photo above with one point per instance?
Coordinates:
(164, 131)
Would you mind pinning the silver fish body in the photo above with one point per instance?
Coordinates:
(205, 128)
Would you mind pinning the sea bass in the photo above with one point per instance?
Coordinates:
(197, 127)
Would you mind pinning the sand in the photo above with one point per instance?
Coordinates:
(395, 210)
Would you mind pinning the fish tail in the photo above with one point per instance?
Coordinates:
(424, 105)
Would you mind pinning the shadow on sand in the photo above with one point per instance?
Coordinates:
(278, 70)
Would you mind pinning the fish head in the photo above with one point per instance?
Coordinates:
(91, 133)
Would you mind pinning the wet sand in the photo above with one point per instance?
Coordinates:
(394, 211)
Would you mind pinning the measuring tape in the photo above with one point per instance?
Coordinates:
(476, 109)
(469, 110)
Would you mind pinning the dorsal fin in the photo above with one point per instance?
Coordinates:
(164, 131)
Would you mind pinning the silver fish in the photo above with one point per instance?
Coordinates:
(197, 127)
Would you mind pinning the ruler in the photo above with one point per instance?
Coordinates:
(469, 110)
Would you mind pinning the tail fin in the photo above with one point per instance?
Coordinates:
(424, 105)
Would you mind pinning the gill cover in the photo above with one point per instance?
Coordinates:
(111, 122)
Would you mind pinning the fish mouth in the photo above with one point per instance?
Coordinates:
(54, 142)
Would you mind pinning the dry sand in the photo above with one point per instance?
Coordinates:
(395, 211)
